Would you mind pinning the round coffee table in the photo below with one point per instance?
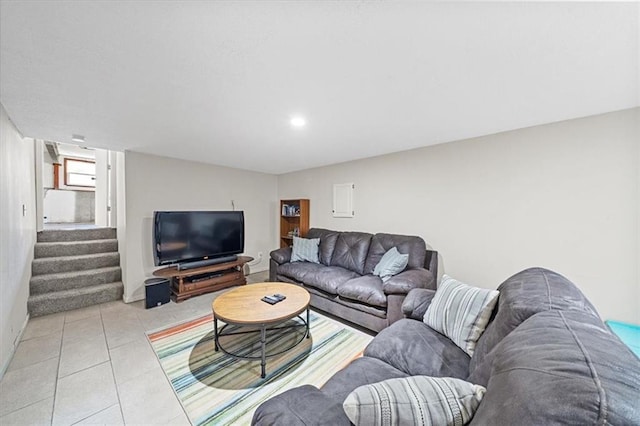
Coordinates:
(242, 306)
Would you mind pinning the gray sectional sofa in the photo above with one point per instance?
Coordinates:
(342, 283)
(545, 358)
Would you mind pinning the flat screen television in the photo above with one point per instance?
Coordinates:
(197, 237)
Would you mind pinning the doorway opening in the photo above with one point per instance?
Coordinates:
(75, 187)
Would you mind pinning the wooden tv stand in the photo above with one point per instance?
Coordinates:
(193, 282)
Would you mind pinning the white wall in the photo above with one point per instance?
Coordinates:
(17, 232)
(41, 168)
(47, 167)
(160, 183)
(102, 187)
(69, 206)
(563, 196)
(119, 205)
(113, 192)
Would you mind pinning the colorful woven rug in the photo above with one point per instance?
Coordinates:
(215, 388)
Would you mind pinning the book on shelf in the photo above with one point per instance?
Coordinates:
(290, 210)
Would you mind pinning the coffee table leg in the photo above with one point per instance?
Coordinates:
(308, 323)
(215, 333)
(263, 344)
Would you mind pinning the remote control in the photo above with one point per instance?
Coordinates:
(269, 300)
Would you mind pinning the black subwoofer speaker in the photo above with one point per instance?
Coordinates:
(157, 292)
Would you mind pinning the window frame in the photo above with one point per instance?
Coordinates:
(66, 172)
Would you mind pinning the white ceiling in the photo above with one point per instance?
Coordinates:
(218, 81)
(67, 150)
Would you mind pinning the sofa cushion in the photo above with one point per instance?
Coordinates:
(460, 312)
(328, 278)
(377, 311)
(414, 400)
(562, 367)
(407, 280)
(343, 308)
(298, 270)
(351, 251)
(416, 349)
(392, 263)
(414, 246)
(366, 289)
(327, 243)
(361, 371)
(416, 303)
(523, 295)
(300, 406)
(281, 255)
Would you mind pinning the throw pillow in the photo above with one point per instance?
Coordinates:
(460, 312)
(414, 400)
(305, 250)
(392, 263)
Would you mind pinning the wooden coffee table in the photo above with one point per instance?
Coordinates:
(242, 306)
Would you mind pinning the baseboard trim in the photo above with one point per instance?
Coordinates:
(16, 341)
(132, 299)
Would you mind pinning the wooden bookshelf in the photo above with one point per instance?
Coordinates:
(294, 220)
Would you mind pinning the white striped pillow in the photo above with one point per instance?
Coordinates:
(460, 312)
(416, 400)
(305, 250)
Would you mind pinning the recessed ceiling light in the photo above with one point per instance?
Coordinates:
(298, 121)
(77, 138)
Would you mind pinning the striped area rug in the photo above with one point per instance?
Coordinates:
(215, 388)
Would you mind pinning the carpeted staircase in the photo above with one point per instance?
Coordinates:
(74, 268)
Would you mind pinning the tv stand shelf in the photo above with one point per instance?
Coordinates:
(193, 282)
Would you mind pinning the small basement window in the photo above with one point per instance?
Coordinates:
(79, 172)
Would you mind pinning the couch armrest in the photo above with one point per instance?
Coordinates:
(305, 405)
(282, 255)
(417, 302)
(431, 262)
(410, 279)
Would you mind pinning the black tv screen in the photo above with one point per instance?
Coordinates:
(190, 236)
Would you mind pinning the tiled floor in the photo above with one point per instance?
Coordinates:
(95, 366)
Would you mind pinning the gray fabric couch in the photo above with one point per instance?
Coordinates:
(342, 283)
(546, 357)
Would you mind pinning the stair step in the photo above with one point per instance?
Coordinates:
(74, 248)
(53, 265)
(77, 279)
(76, 235)
(66, 300)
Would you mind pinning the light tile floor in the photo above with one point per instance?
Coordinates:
(95, 366)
